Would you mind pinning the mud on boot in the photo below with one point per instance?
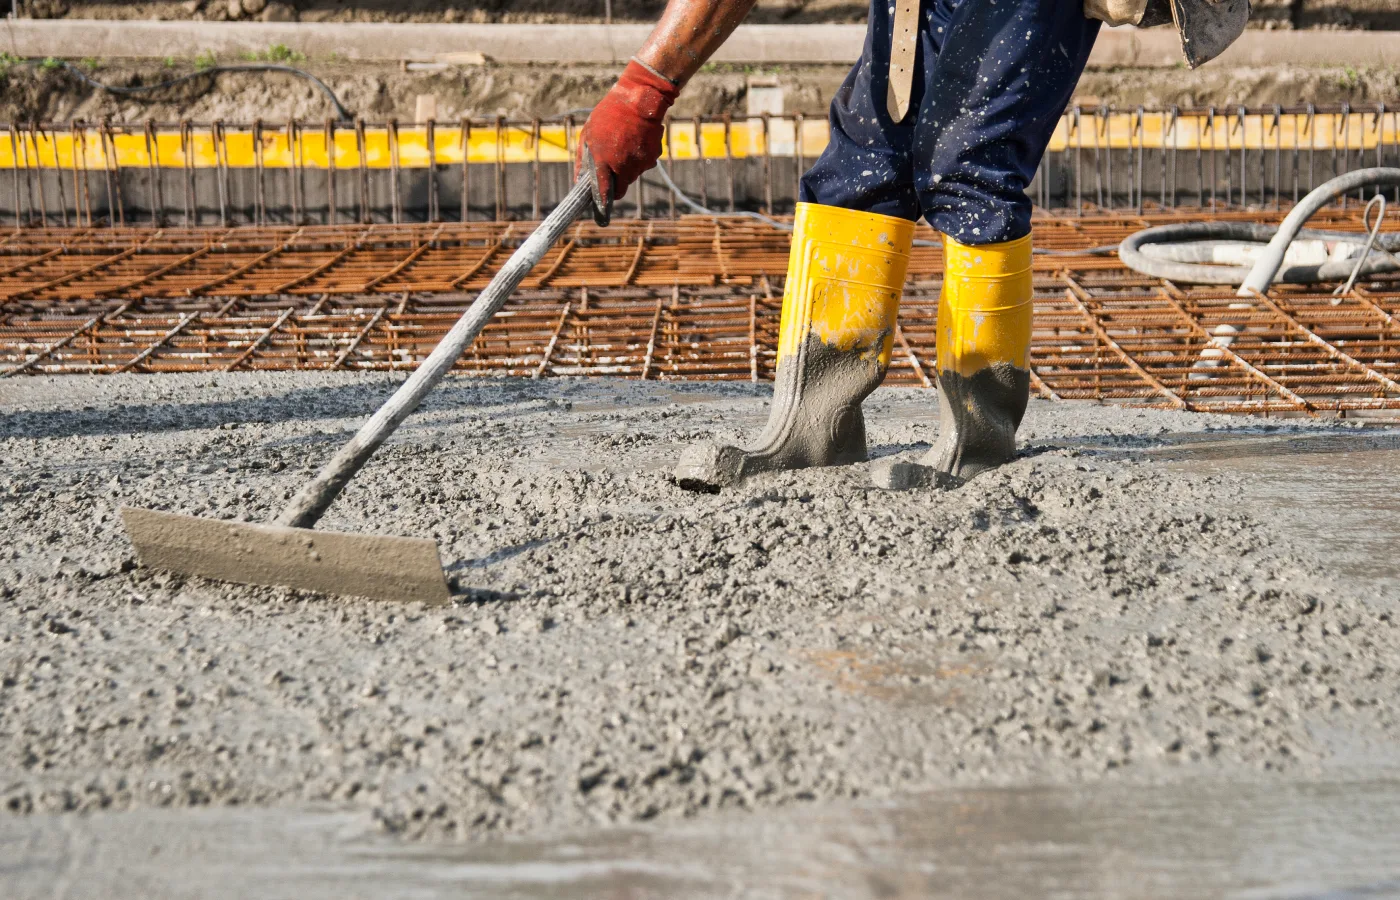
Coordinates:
(845, 275)
(984, 335)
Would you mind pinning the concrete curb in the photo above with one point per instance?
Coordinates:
(613, 44)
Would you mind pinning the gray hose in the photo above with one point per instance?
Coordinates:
(697, 208)
(1176, 264)
(1262, 275)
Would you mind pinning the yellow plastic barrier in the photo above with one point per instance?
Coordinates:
(516, 143)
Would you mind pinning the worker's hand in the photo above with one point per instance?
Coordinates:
(622, 137)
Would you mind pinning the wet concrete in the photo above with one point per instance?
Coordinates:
(1331, 839)
(1141, 598)
(1333, 491)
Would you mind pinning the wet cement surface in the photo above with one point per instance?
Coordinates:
(1337, 492)
(1143, 601)
(1200, 839)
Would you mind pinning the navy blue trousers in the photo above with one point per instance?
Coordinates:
(991, 79)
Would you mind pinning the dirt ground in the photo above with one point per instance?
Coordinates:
(1267, 13)
(381, 92)
(622, 650)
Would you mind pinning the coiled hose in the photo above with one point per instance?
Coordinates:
(1179, 251)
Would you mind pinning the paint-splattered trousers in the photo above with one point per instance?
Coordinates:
(991, 79)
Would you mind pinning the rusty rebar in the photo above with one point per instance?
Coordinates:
(694, 298)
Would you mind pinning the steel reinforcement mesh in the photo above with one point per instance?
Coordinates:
(694, 298)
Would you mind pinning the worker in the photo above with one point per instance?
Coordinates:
(945, 117)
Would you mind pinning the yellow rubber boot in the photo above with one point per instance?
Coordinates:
(845, 275)
(984, 338)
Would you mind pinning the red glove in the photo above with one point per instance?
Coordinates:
(623, 135)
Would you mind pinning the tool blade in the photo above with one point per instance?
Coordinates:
(382, 567)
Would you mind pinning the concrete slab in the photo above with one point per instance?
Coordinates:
(1143, 596)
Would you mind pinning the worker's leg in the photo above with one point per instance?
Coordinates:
(850, 248)
(867, 165)
(992, 100)
(990, 104)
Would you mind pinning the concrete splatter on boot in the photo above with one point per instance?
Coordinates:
(984, 336)
(845, 274)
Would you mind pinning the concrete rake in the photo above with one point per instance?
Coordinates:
(289, 551)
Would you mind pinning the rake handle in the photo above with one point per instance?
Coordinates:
(316, 496)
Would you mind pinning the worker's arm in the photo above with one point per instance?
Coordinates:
(623, 134)
(689, 33)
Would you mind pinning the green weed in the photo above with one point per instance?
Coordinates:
(277, 53)
(281, 53)
(205, 60)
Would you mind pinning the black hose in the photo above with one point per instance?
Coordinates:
(344, 114)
